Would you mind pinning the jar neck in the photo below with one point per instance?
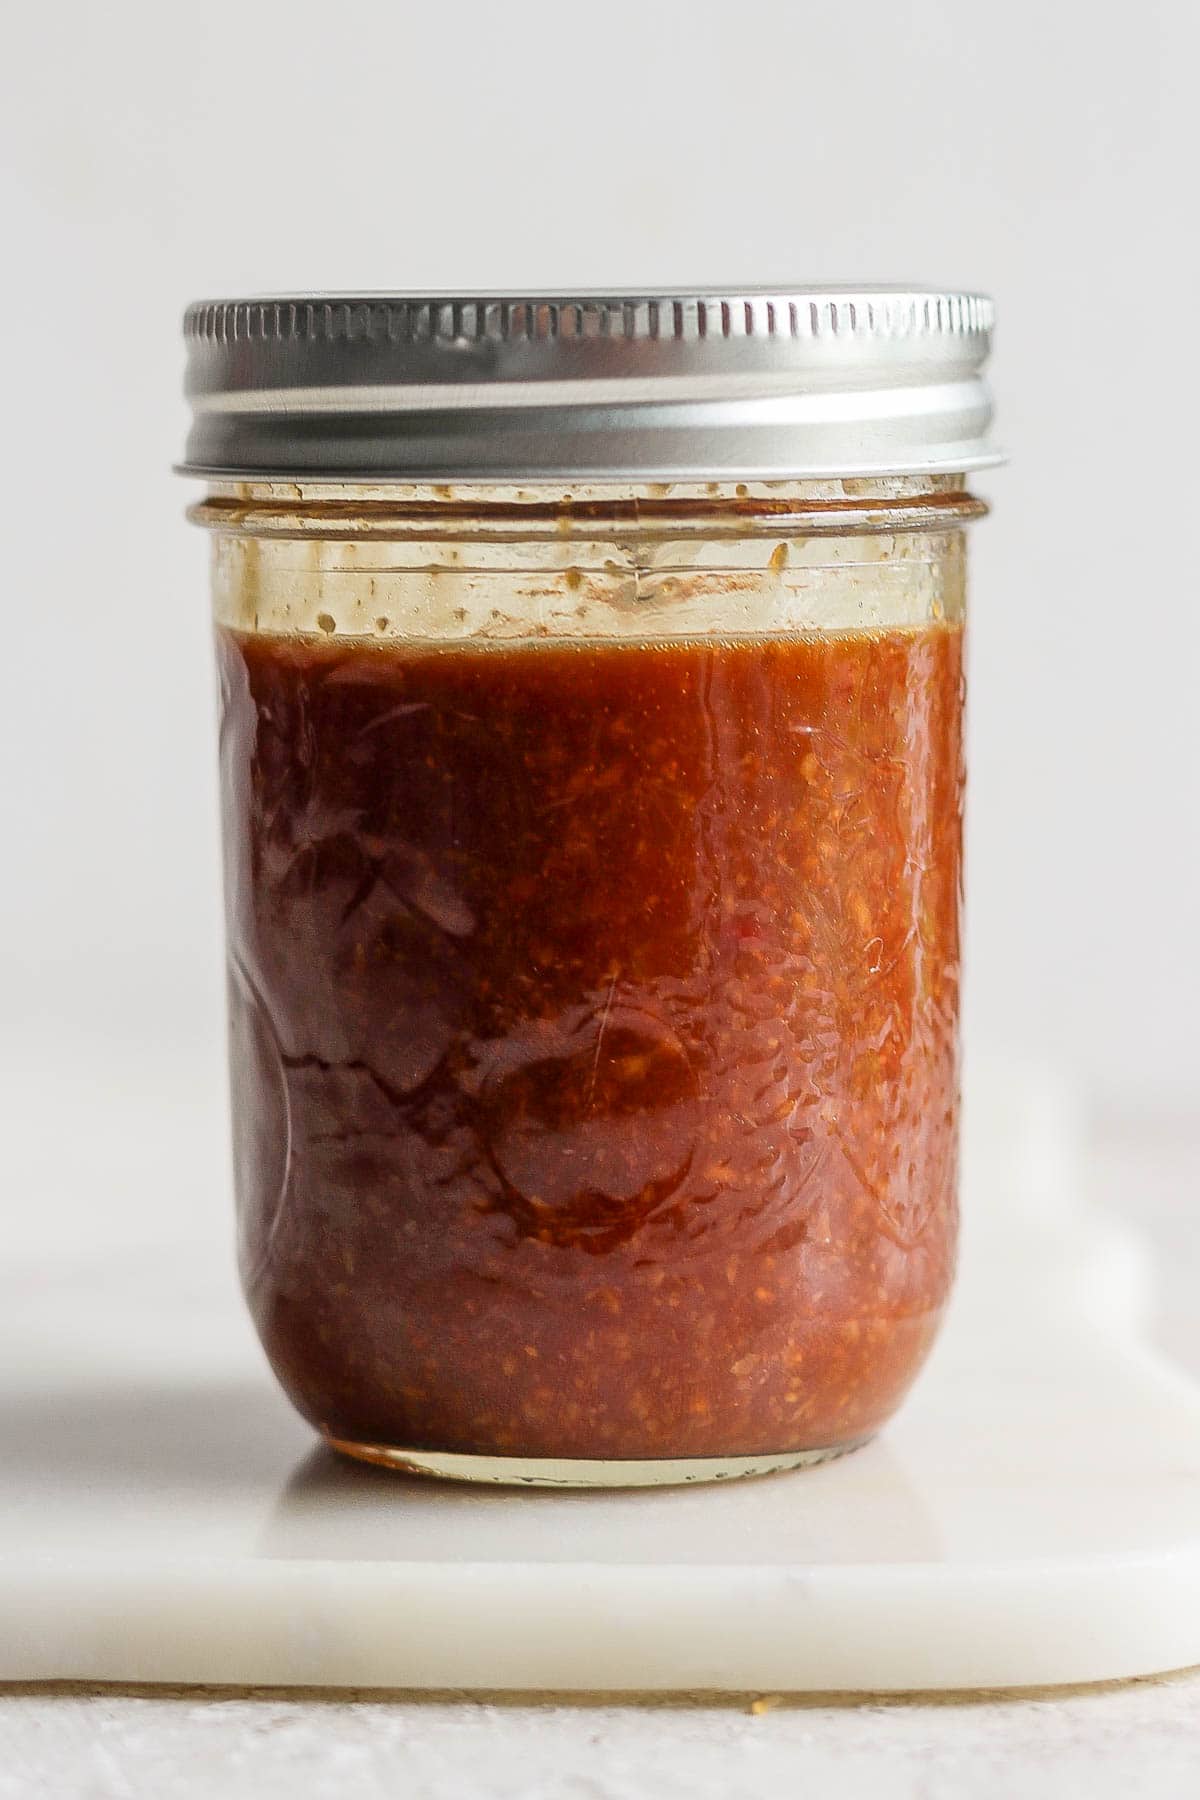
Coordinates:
(837, 508)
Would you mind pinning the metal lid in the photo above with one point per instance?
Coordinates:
(672, 386)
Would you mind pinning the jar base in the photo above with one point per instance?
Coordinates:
(585, 1472)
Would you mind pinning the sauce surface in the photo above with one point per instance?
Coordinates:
(594, 1016)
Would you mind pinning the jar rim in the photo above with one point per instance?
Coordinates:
(627, 513)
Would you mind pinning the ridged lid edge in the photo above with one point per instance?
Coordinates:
(813, 314)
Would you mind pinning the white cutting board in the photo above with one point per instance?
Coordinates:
(1031, 1517)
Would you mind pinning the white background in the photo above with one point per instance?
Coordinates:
(157, 153)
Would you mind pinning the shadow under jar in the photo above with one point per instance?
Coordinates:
(592, 852)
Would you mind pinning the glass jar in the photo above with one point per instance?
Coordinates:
(593, 862)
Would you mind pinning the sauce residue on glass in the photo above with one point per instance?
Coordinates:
(594, 1033)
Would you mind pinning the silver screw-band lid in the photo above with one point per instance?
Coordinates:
(673, 386)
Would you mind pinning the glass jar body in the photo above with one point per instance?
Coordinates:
(593, 876)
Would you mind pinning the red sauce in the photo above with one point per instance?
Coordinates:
(594, 1023)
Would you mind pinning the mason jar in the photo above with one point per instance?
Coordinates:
(591, 683)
